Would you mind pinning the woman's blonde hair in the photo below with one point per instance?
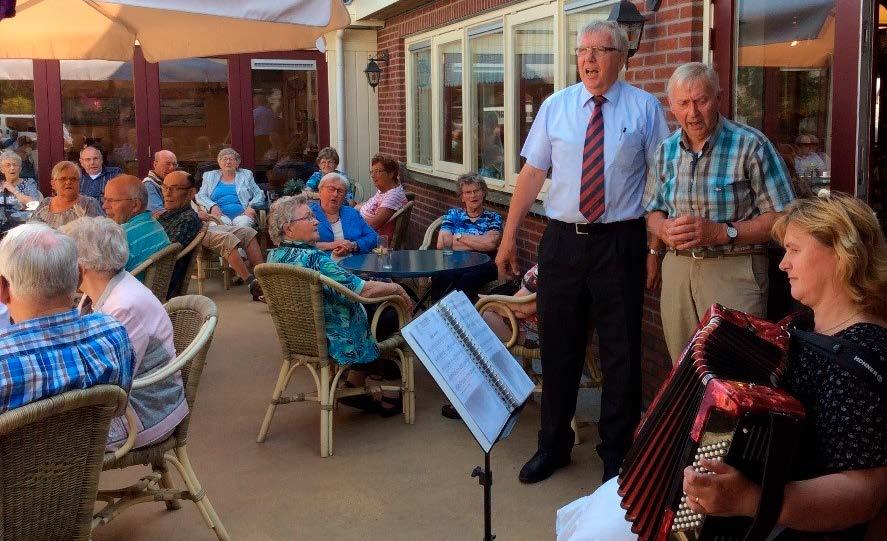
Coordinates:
(848, 226)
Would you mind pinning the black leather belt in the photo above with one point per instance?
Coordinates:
(714, 254)
(588, 229)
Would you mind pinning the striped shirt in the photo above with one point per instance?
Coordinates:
(45, 356)
(145, 237)
(737, 175)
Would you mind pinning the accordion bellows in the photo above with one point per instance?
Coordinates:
(719, 402)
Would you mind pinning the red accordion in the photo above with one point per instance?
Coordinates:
(719, 402)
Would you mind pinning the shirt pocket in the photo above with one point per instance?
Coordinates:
(731, 188)
(630, 146)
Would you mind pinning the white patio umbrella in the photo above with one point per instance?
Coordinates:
(165, 29)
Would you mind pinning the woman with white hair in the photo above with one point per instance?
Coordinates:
(231, 193)
(342, 230)
(17, 191)
(102, 252)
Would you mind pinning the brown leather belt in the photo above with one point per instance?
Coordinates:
(714, 254)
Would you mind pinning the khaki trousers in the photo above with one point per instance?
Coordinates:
(690, 286)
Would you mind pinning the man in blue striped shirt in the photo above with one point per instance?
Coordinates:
(126, 202)
(52, 349)
(715, 191)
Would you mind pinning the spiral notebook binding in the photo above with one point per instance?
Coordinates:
(499, 386)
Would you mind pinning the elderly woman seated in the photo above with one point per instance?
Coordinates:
(470, 228)
(327, 162)
(101, 254)
(18, 191)
(293, 227)
(342, 230)
(525, 313)
(389, 197)
(231, 193)
(67, 204)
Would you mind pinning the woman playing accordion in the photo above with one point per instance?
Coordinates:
(836, 261)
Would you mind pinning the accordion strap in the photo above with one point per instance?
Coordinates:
(864, 364)
(781, 444)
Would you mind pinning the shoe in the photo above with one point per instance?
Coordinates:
(363, 402)
(237, 281)
(541, 466)
(449, 411)
(256, 291)
(395, 403)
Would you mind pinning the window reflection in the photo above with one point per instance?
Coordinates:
(421, 143)
(18, 121)
(451, 136)
(784, 79)
(488, 95)
(533, 74)
(98, 109)
(194, 109)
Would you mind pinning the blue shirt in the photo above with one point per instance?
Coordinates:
(225, 196)
(95, 187)
(354, 227)
(145, 237)
(634, 124)
(45, 356)
(458, 221)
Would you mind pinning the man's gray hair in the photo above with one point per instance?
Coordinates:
(10, 156)
(471, 179)
(282, 212)
(39, 262)
(333, 177)
(694, 71)
(101, 244)
(617, 33)
(164, 152)
(228, 152)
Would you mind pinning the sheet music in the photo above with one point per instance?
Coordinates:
(479, 376)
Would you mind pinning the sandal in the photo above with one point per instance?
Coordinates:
(396, 404)
(256, 291)
(363, 402)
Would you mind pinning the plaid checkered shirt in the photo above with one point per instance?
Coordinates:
(738, 175)
(45, 356)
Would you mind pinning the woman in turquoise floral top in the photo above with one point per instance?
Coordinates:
(293, 227)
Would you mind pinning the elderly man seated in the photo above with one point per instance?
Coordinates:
(164, 163)
(126, 202)
(52, 348)
(95, 174)
(342, 230)
(108, 289)
(179, 220)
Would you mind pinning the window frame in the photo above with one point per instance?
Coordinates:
(410, 77)
(437, 78)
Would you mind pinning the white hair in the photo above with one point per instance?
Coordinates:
(164, 152)
(39, 262)
(11, 156)
(694, 71)
(617, 34)
(333, 177)
(282, 212)
(101, 244)
(228, 152)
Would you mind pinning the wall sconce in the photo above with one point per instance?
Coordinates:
(631, 20)
(373, 71)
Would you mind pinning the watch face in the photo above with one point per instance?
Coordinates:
(731, 232)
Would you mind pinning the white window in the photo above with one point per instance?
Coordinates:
(420, 94)
(487, 90)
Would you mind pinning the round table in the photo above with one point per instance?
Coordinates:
(415, 263)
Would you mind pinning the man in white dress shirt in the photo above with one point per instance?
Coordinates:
(596, 137)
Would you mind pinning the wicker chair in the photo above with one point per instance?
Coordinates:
(52, 456)
(191, 252)
(158, 270)
(401, 220)
(295, 299)
(194, 321)
(526, 355)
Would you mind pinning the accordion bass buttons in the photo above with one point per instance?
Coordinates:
(685, 518)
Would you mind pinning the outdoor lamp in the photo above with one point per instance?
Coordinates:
(631, 20)
(373, 71)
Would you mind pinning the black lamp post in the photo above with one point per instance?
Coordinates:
(373, 71)
(631, 20)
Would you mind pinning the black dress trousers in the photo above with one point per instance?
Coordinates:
(591, 280)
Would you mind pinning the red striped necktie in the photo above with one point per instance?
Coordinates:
(591, 192)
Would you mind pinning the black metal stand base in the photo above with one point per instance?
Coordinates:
(485, 479)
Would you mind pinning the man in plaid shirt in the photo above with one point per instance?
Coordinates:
(52, 349)
(715, 190)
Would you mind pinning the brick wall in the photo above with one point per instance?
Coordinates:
(671, 37)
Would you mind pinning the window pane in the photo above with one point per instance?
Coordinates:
(783, 81)
(421, 143)
(18, 124)
(533, 72)
(194, 109)
(488, 95)
(284, 121)
(98, 108)
(451, 123)
(575, 21)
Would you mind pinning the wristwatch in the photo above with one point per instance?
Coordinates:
(457, 236)
(654, 251)
(732, 233)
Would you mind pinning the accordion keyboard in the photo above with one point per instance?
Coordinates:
(685, 518)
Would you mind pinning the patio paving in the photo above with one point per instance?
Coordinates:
(386, 480)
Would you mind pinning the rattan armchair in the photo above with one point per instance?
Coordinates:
(526, 355)
(52, 456)
(191, 252)
(194, 321)
(295, 300)
(158, 270)
(401, 220)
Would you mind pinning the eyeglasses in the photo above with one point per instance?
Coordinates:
(309, 217)
(66, 179)
(476, 191)
(109, 200)
(595, 51)
(335, 190)
(166, 188)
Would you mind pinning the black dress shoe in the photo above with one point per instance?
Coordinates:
(449, 411)
(541, 466)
